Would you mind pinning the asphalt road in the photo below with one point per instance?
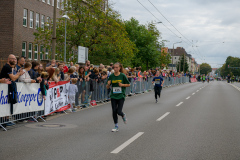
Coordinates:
(191, 122)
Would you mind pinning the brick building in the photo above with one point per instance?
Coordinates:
(19, 20)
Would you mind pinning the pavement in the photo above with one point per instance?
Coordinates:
(195, 121)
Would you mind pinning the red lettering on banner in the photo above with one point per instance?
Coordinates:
(58, 93)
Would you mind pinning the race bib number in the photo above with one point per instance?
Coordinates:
(117, 90)
(157, 82)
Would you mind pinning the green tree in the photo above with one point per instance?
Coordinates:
(146, 39)
(183, 66)
(103, 32)
(205, 68)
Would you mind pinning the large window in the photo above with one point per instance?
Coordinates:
(41, 52)
(44, 1)
(36, 52)
(24, 49)
(31, 19)
(42, 21)
(25, 17)
(58, 3)
(30, 48)
(37, 20)
(52, 2)
(48, 2)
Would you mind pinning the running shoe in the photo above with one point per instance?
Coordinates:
(115, 129)
(124, 118)
(156, 101)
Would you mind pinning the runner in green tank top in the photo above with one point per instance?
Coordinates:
(119, 82)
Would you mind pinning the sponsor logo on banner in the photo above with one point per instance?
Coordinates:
(57, 97)
(29, 99)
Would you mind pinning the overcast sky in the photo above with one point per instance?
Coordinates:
(212, 25)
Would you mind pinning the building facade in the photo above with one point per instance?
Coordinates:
(178, 52)
(22, 18)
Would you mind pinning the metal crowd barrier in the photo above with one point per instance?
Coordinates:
(96, 90)
(23, 116)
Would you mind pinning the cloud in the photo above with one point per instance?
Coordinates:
(207, 23)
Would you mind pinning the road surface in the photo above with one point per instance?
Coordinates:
(196, 121)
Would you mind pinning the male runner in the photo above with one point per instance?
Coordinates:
(158, 80)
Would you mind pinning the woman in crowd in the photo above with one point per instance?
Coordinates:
(26, 77)
(56, 76)
(50, 72)
(119, 82)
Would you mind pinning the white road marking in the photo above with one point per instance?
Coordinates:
(163, 116)
(197, 90)
(124, 145)
(188, 97)
(179, 104)
(193, 93)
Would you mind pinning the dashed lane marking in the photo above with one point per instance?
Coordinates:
(124, 145)
(188, 97)
(179, 104)
(163, 116)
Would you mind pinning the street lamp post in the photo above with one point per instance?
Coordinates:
(173, 53)
(66, 17)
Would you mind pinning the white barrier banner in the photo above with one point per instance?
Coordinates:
(57, 97)
(29, 98)
(4, 106)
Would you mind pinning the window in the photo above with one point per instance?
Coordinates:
(58, 3)
(46, 53)
(24, 49)
(36, 52)
(62, 4)
(30, 51)
(48, 2)
(41, 52)
(44, 1)
(31, 19)
(25, 17)
(37, 20)
(52, 2)
(48, 21)
(42, 21)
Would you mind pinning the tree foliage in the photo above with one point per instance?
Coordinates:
(146, 39)
(183, 66)
(231, 62)
(103, 32)
(205, 68)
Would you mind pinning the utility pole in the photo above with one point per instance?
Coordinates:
(54, 38)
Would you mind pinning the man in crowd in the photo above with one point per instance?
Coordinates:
(34, 72)
(21, 62)
(61, 69)
(88, 64)
(52, 64)
(8, 70)
(71, 64)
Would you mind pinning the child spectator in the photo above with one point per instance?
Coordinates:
(26, 77)
(44, 84)
(69, 73)
(71, 93)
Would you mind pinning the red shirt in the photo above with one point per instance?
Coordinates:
(65, 69)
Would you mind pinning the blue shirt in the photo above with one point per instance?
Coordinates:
(158, 81)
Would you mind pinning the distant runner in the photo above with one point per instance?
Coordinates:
(203, 78)
(119, 82)
(158, 81)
